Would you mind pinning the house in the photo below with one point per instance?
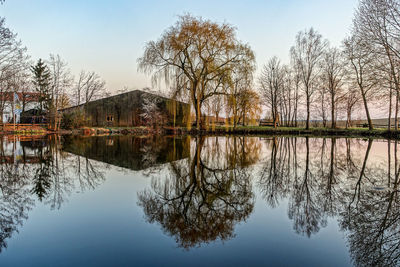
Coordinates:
(21, 100)
(124, 110)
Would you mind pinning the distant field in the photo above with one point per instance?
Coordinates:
(374, 121)
(342, 123)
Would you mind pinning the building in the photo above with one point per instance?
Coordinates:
(23, 100)
(124, 110)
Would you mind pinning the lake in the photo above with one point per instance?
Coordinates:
(205, 201)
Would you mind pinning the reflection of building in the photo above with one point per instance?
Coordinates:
(22, 150)
(124, 109)
(129, 152)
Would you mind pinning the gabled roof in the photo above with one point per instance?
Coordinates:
(136, 91)
(26, 96)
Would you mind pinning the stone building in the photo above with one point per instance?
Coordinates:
(124, 110)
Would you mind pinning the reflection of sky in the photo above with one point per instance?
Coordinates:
(108, 36)
(106, 227)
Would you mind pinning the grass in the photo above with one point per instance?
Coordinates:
(263, 130)
(301, 131)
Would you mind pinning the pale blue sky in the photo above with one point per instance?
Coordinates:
(109, 36)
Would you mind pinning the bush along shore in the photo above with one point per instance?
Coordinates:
(113, 131)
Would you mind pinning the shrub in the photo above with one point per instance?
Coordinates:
(73, 120)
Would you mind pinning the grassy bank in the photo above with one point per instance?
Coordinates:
(264, 130)
(240, 130)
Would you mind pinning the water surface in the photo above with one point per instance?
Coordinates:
(179, 201)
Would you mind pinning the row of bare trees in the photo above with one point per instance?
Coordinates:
(205, 63)
(328, 82)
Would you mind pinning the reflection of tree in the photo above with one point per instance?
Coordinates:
(374, 229)
(278, 170)
(55, 174)
(338, 178)
(15, 199)
(372, 218)
(46, 173)
(42, 176)
(304, 208)
(88, 172)
(200, 202)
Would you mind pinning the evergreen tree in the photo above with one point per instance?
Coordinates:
(41, 81)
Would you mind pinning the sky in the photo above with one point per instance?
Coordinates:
(109, 36)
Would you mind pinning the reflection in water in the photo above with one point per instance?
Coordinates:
(336, 178)
(135, 153)
(50, 169)
(203, 197)
(34, 168)
(201, 188)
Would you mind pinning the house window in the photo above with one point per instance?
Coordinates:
(110, 118)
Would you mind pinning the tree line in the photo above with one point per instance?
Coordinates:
(50, 80)
(204, 63)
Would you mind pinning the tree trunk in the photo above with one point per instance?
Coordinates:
(370, 125)
(390, 108)
(348, 122)
(308, 113)
(396, 122)
(333, 111)
(244, 118)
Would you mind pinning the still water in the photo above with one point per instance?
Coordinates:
(181, 201)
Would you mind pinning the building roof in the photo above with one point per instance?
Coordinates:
(117, 95)
(26, 96)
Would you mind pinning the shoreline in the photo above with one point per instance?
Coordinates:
(220, 131)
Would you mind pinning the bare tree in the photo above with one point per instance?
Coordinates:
(61, 80)
(217, 104)
(322, 101)
(352, 98)
(13, 63)
(361, 60)
(306, 55)
(151, 113)
(332, 74)
(289, 99)
(88, 87)
(296, 81)
(378, 23)
(271, 85)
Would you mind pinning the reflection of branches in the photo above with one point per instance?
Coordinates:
(89, 173)
(275, 175)
(304, 209)
(339, 181)
(374, 228)
(373, 224)
(357, 189)
(15, 199)
(42, 170)
(199, 203)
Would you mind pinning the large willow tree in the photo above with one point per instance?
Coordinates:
(198, 57)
